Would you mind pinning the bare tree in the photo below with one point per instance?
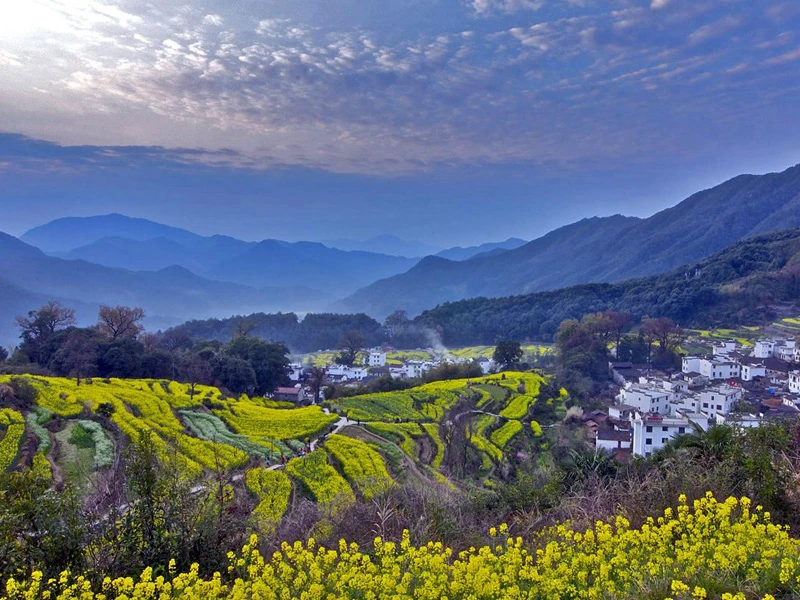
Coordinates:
(176, 339)
(46, 320)
(243, 328)
(78, 355)
(664, 331)
(194, 371)
(317, 379)
(120, 321)
(150, 341)
(350, 345)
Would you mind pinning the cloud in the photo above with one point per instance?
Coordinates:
(659, 4)
(483, 7)
(567, 82)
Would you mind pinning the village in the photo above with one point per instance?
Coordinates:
(734, 384)
(374, 365)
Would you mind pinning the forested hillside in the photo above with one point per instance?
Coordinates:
(738, 285)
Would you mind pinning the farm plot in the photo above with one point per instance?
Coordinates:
(363, 466)
(272, 488)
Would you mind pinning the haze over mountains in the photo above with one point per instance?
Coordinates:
(604, 249)
(178, 275)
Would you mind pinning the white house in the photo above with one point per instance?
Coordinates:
(724, 348)
(794, 382)
(687, 403)
(691, 364)
(719, 369)
(744, 421)
(347, 373)
(751, 371)
(719, 399)
(785, 353)
(764, 348)
(376, 359)
(415, 368)
(486, 364)
(645, 398)
(651, 433)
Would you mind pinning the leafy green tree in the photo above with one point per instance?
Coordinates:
(237, 375)
(268, 360)
(507, 354)
(121, 358)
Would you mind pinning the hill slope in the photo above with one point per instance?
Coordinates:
(601, 250)
(738, 284)
(527, 268)
(274, 262)
(465, 253)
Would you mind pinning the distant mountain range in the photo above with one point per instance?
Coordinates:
(28, 277)
(385, 244)
(63, 235)
(178, 275)
(599, 249)
(270, 263)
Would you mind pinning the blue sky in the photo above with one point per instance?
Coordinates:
(451, 121)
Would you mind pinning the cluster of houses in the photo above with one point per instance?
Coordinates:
(374, 365)
(733, 385)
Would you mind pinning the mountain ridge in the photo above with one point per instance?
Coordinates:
(601, 249)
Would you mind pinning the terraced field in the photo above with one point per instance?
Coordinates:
(503, 406)
(82, 429)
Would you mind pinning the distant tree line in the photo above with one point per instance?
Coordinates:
(118, 346)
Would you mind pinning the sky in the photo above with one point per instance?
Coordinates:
(447, 121)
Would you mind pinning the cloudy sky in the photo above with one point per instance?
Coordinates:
(450, 121)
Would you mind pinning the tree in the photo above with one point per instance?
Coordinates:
(121, 358)
(664, 331)
(268, 360)
(237, 375)
(317, 379)
(3, 354)
(582, 358)
(395, 322)
(120, 321)
(78, 355)
(243, 328)
(619, 323)
(176, 339)
(159, 364)
(633, 349)
(668, 335)
(507, 354)
(39, 326)
(40, 529)
(195, 371)
(350, 345)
